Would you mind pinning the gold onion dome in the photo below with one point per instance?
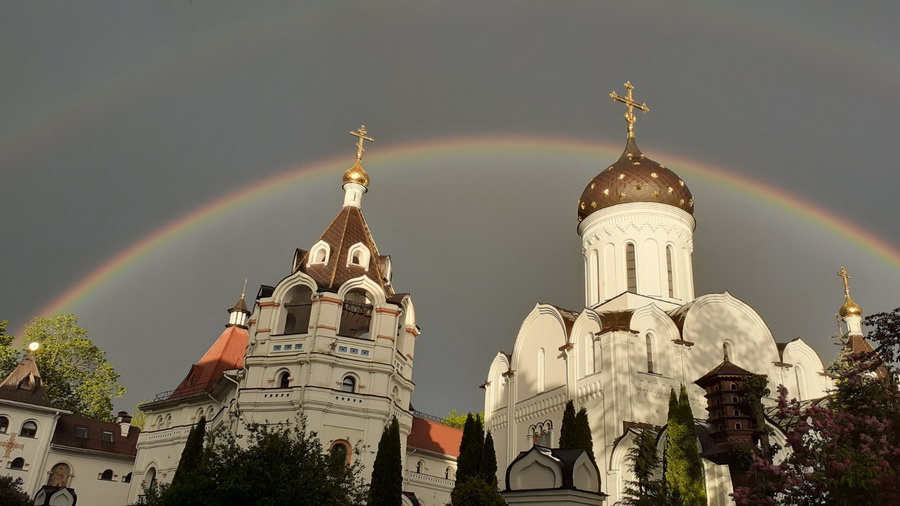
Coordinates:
(850, 309)
(357, 174)
(634, 178)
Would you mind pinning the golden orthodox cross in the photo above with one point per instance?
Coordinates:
(10, 445)
(630, 104)
(362, 135)
(843, 273)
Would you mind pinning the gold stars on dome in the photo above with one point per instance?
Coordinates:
(850, 308)
(357, 174)
(630, 104)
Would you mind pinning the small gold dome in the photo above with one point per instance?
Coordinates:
(850, 309)
(356, 174)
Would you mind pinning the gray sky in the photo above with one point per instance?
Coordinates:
(121, 118)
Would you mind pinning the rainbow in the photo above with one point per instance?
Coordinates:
(777, 198)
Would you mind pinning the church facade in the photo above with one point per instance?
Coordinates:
(334, 341)
(641, 333)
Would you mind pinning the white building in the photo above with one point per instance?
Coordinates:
(641, 333)
(45, 445)
(333, 340)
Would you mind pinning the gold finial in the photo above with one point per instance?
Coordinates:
(630, 104)
(361, 134)
(849, 308)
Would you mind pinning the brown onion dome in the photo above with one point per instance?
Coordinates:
(634, 178)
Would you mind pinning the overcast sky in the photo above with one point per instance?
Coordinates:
(120, 118)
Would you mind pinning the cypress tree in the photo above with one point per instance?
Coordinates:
(189, 480)
(583, 438)
(567, 431)
(470, 449)
(489, 461)
(683, 468)
(387, 471)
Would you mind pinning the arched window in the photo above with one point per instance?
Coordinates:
(420, 467)
(4, 424)
(348, 384)
(447, 473)
(59, 475)
(540, 370)
(199, 415)
(738, 426)
(150, 478)
(734, 386)
(126, 478)
(649, 340)
(106, 475)
(168, 421)
(726, 350)
(29, 429)
(589, 354)
(340, 452)
(298, 307)
(18, 463)
(734, 399)
(737, 412)
(395, 394)
(284, 379)
(631, 268)
(669, 271)
(320, 253)
(358, 255)
(209, 413)
(356, 314)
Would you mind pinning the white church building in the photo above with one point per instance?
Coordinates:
(642, 331)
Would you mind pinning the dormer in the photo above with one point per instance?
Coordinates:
(319, 254)
(358, 256)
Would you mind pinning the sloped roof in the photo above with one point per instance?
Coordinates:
(24, 384)
(225, 354)
(65, 435)
(569, 316)
(434, 436)
(726, 368)
(615, 320)
(348, 228)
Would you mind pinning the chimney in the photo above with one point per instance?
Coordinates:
(124, 421)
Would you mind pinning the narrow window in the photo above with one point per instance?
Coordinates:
(284, 380)
(649, 353)
(106, 475)
(126, 478)
(737, 412)
(150, 479)
(738, 426)
(669, 271)
(106, 436)
(540, 370)
(631, 268)
(349, 384)
(734, 386)
(734, 399)
(447, 473)
(420, 466)
(81, 432)
(4, 424)
(17, 463)
(340, 452)
(29, 429)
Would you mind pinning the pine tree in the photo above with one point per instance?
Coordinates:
(488, 469)
(567, 435)
(583, 438)
(387, 471)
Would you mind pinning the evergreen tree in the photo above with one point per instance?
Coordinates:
(488, 469)
(470, 450)
(567, 437)
(190, 478)
(583, 438)
(648, 489)
(387, 472)
(476, 492)
(684, 471)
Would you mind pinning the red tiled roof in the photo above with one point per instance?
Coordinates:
(225, 354)
(435, 437)
(65, 435)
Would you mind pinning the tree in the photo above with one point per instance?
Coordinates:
(457, 420)
(387, 472)
(583, 438)
(8, 357)
(190, 481)
(11, 493)
(844, 448)
(471, 449)
(683, 468)
(75, 373)
(648, 488)
(488, 469)
(277, 464)
(567, 437)
(476, 492)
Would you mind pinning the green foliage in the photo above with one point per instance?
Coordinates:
(583, 438)
(470, 450)
(649, 488)
(188, 485)
(488, 469)
(757, 387)
(277, 464)
(138, 418)
(458, 420)
(8, 356)
(567, 437)
(387, 472)
(74, 372)
(684, 470)
(476, 492)
(11, 493)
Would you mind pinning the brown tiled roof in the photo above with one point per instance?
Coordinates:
(225, 354)
(634, 178)
(348, 228)
(24, 384)
(726, 368)
(615, 320)
(65, 435)
(434, 436)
